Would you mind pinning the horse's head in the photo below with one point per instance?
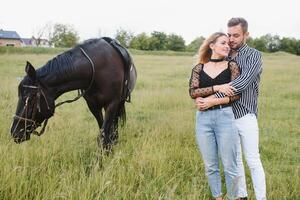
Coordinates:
(33, 108)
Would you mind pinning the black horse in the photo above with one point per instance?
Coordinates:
(100, 68)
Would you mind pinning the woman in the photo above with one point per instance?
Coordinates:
(216, 133)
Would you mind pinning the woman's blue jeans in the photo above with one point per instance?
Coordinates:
(217, 136)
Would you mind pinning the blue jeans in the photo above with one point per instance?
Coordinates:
(216, 134)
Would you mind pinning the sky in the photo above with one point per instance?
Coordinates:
(188, 18)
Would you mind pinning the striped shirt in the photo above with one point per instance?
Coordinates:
(247, 84)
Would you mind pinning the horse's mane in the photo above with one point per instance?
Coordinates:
(59, 65)
(62, 64)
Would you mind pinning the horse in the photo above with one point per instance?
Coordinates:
(100, 69)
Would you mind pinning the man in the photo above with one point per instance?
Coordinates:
(245, 109)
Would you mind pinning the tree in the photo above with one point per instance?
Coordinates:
(272, 42)
(141, 41)
(250, 42)
(260, 44)
(124, 37)
(44, 32)
(286, 45)
(195, 44)
(297, 47)
(290, 45)
(175, 43)
(158, 41)
(64, 36)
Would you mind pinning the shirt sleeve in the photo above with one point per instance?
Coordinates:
(220, 95)
(195, 83)
(249, 73)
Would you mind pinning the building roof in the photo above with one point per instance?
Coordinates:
(9, 34)
(27, 41)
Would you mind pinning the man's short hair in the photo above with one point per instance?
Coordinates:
(238, 21)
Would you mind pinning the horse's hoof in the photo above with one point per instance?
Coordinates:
(107, 149)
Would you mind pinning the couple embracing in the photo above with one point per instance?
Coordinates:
(225, 85)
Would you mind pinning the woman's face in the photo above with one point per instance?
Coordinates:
(221, 47)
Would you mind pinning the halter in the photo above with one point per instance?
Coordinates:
(36, 106)
(37, 103)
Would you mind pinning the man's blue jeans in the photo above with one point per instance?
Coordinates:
(217, 135)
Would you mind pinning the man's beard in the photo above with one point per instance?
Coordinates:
(236, 47)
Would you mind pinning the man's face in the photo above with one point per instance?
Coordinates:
(236, 36)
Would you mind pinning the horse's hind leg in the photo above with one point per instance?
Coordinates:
(96, 110)
(109, 125)
(114, 130)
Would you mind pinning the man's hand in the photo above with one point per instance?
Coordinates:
(204, 103)
(227, 89)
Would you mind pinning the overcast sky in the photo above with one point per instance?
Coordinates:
(188, 18)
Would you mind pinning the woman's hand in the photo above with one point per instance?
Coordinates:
(204, 103)
(227, 89)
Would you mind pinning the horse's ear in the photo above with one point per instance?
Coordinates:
(29, 69)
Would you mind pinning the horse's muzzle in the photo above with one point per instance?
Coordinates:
(21, 137)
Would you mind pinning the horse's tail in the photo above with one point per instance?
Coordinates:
(121, 113)
(119, 117)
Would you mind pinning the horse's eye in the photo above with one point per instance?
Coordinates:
(26, 93)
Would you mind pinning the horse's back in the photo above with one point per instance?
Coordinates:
(109, 71)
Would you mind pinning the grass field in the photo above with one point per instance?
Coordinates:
(156, 157)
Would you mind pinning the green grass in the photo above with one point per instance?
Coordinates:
(156, 157)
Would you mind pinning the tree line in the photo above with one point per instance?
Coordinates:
(63, 35)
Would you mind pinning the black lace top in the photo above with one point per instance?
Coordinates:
(201, 83)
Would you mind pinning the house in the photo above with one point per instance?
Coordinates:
(45, 43)
(10, 38)
(29, 42)
(35, 42)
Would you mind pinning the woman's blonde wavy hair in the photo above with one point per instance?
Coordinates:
(205, 51)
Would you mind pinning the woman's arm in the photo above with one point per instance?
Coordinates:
(210, 101)
(194, 84)
(226, 89)
(235, 72)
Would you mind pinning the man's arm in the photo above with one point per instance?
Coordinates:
(220, 94)
(249, 73)
(252, 69)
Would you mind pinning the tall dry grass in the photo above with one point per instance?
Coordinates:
(156, 157)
